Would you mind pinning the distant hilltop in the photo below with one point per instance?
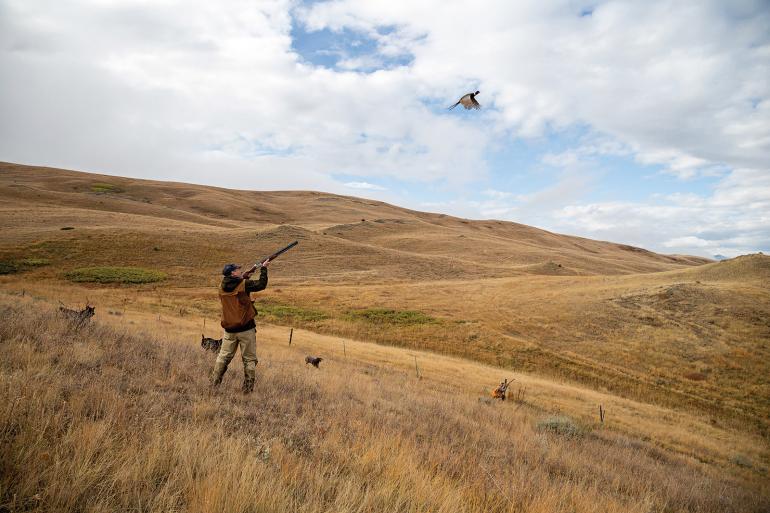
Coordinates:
(87, 219)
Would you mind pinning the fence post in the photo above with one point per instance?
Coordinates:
(291, 334)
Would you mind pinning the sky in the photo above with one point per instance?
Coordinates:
(640, 122)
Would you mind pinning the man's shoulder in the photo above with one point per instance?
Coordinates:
(230, 283)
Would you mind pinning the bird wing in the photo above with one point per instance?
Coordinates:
(475, 104)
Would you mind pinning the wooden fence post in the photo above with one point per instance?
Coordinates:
(601, 414)
(291, 334)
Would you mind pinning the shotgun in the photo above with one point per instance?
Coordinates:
(268, 259)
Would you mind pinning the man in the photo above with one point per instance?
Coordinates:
(238, 314)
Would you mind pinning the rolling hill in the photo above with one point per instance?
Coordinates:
(671, 329)
(417, 315)
(344, 234)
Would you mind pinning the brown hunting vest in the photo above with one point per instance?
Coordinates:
(237, 307)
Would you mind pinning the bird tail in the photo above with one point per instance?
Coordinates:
(453, 106)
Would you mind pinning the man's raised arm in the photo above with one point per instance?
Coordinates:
(259, 284)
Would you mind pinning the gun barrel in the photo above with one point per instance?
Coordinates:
(282, 251)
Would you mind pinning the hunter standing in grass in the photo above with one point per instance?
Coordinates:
(238, 314)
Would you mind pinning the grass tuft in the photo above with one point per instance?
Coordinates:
(560, 425)
(115, 275)
(388, 316)
(742, 461)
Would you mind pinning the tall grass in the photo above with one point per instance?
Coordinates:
(99, 419)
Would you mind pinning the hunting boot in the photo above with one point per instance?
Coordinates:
(248, 385)
(249, 371)
(217, 373)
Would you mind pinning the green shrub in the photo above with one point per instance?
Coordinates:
(741, 461)
(34, 262)
(8, 268)
(105, 187)
(286, 312)
(560, 425)
(388, 316)
(114, 275)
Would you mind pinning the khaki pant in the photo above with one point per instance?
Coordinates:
(247, 340)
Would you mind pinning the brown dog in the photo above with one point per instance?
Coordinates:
(313, 360)
(79, 317)
(211, 344)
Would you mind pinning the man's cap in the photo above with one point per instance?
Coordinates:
(229, 268)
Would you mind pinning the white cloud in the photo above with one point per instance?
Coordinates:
(734, 220)
(140, 89)
(683, 84)
(365, 186)
(564, 159)
(689, 241)
(498, 195)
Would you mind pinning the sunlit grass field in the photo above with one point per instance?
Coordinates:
(417, 316)
(116, 418)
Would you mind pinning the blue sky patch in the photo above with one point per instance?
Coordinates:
(345, 49)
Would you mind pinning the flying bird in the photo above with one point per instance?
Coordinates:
(468, 101)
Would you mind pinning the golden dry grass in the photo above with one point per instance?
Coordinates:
(343, 236)
(677, 351)
(112, 419)
(640, 336)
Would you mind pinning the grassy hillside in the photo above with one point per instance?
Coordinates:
(677, 347)
(115, 419)
(616, 317)
(348, 238)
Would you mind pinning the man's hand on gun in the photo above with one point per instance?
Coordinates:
(251, 271)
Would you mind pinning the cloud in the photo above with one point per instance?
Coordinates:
(136, 89)
(733, 220)
(689, 241)
(365, 186)
(684, 85)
